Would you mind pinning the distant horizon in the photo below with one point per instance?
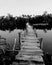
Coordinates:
(25, 14)
(27, 7)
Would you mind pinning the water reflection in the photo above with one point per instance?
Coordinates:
(10, 36)
(47, 40)
(45, 34)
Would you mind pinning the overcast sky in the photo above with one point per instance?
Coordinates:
(19, 7)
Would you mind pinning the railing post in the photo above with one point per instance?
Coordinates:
(41, 43)
(35, 32)
(19, 41)
(14, 44)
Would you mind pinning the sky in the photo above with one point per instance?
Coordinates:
(27, 7)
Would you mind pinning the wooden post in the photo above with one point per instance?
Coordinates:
(19, 41)
(14, 44)
(35, 32)
(41, 43)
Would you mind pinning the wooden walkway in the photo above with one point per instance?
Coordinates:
(30, 48)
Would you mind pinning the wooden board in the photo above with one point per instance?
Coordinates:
(30, 47)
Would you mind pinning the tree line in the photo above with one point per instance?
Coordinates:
(10, 23)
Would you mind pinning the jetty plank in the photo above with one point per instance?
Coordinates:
(30, 47)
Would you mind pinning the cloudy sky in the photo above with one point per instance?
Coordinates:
(19, 7)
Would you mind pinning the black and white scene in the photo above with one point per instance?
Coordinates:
(25, 32)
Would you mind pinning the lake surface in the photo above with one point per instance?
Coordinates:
(11, 36)
(47, 40)
(46, 35)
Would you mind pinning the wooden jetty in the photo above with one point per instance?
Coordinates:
(30, 48)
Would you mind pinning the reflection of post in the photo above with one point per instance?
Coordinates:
(45, 30)
(47, 59)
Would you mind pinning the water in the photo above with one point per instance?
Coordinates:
(45, 34)
(47, 40)
(11, 36)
